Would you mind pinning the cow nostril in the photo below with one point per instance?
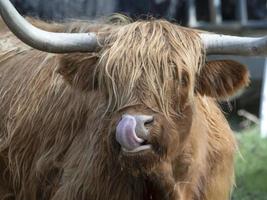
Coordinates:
(149, 121)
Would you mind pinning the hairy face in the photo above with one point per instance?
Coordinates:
(149, 88)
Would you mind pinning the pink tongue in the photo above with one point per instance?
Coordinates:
(125, 133)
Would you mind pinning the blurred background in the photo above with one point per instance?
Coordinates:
(245, 111)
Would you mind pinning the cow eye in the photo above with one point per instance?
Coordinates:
(185, 79)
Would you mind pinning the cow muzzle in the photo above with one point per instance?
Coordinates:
(132, 132)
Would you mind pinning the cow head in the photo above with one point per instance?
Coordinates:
(150, 74)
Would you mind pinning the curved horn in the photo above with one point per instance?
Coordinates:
(43, 40)
(226, 44)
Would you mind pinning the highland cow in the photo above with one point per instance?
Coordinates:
(133, 116)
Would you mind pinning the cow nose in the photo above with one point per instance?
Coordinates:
(132, 131)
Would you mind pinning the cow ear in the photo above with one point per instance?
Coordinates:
(78, 70)
(221, 78)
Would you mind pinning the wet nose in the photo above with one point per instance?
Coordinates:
(132, 131)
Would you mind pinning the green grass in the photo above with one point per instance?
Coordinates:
(251, 166)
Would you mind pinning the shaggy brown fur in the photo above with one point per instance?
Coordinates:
(59, 113)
